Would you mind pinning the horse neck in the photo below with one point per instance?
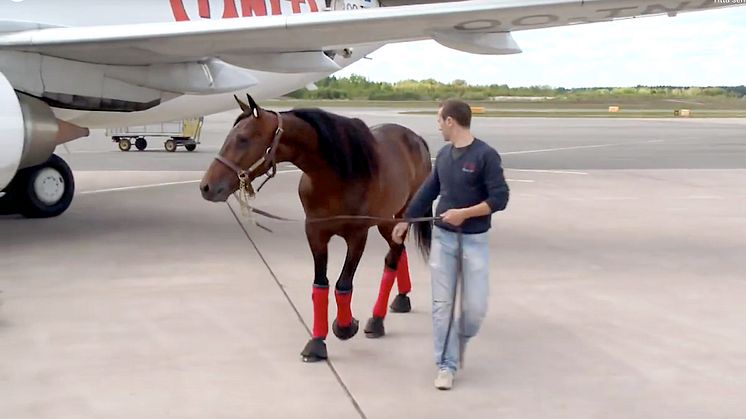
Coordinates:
(299, 145)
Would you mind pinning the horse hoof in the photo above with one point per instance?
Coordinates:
(314, 351)
(344, 333)
(374, 328)
(401, 304)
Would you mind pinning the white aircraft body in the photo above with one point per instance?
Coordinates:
(70, 65)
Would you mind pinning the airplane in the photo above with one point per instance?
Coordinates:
(70, 66)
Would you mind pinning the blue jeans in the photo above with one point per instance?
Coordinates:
(475, 292)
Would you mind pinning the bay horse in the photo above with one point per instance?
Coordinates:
(348, 170)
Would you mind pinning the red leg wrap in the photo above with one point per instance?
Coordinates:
(387, 282)
(344, 311)
(320, 297)
(403, 282)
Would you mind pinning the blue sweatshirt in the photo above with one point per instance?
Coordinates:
(463, 177)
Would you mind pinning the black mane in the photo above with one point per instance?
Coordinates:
(346, 144)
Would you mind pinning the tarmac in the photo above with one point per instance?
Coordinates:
(617, 278)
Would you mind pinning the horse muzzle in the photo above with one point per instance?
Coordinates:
(216, 192)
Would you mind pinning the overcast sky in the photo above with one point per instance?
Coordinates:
(692, 49)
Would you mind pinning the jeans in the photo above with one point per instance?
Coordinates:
(475, 292)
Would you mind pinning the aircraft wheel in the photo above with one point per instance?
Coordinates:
(43, 191)
(125, 144)
(7, 205)
(141, 144)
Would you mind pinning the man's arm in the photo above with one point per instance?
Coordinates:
(423, 199)
(419, 205)
(498, 192)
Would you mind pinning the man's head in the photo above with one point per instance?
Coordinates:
(454, 115)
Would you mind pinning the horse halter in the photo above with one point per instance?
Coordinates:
(269, 156)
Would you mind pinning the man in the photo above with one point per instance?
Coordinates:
(468, 177)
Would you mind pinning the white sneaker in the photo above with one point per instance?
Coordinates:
(444, 380)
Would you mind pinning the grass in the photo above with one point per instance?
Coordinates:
(630, 107)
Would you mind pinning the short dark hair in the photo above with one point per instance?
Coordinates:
(459, 110)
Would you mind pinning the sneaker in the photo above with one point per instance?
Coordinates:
(444, 380)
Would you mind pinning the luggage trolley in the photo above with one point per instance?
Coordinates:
(179, 133)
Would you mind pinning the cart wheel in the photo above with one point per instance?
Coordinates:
(170, 145)
(191, 147)
(125, 144)
(141, 144)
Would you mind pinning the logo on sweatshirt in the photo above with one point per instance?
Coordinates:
(469, 167)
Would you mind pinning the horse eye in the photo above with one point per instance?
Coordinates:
(243, 141)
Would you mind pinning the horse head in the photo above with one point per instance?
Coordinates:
(247, 153)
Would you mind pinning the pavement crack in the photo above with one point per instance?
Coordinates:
(329, 363)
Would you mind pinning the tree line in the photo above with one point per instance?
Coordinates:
(360, 88)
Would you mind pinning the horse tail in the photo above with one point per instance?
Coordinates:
(424, 230)
(423, 234)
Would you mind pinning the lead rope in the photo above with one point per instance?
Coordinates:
(244, 196)
(245, 207)
(458, 285)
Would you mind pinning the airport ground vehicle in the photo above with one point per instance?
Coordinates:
(177, 134)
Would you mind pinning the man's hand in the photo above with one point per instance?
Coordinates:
(397, 235)
(455, 217)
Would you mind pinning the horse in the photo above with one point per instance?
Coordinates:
(348, 170)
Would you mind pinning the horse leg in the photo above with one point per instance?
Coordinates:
(346, 326)
(374, 328)
(401, 303)
(315, 349)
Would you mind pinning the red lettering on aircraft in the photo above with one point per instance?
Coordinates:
(248, 8)
(276, 9)
(297, 3)
(204, 9)
(180, 14)
(253, 8)
(229, 9)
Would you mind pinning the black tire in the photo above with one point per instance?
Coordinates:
(125, 144)
(191, 147)
(7, 205)
(24, 189)
(170, 145)
(141, 144)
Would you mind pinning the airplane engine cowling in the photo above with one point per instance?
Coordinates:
(11, 132)
(28, 131)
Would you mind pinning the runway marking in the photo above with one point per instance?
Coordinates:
(702, 197)
(579, 147)
(129, 188)
(562, 172)
(186, 182)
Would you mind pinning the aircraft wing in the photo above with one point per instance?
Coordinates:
(478, 26)
(391, 3)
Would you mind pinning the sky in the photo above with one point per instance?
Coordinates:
(692, 49)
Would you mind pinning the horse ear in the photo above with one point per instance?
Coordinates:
(254, 107)
(244, 107)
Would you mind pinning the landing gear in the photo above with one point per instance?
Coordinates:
(41, 191)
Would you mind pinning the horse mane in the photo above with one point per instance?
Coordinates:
(346, 144)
